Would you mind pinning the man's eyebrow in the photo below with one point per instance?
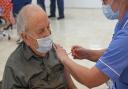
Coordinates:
(41, 29)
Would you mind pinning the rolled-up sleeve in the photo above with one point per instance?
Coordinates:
(9, 80)
(115, 59)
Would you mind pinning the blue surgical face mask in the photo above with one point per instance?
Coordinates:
(44, 44)
(109, 13)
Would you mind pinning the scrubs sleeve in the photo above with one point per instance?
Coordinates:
(115, 59)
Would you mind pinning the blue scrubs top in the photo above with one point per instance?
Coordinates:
(114, 61)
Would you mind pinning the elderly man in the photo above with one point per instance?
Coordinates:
(33, 65)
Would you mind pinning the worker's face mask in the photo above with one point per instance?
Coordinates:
(109, 13)
(44, 44)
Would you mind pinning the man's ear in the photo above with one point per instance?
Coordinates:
(25, 38)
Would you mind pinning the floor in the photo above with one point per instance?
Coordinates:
(85, 27)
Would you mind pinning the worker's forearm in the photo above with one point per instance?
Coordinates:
(84, 75)
(77, 71)
(94, 55)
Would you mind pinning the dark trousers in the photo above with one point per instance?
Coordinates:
(18, 4)
(60, 4)
(41, 3)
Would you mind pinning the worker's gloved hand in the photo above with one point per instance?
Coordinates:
(79, 52)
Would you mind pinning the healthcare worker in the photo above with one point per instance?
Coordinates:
(111, 63)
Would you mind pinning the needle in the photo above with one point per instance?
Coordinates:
(54, 45)
(69, 53)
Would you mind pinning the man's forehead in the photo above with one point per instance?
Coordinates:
(39, 25)
(38, 20)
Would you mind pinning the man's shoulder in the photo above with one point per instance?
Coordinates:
(15, 58)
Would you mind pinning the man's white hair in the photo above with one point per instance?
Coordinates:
(20, 23)
(22, 20)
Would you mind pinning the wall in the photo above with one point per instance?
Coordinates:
(79, 3)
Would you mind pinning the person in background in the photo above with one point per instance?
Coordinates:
(6, 7)
(41, 3)
(60, 4)
(18, 5)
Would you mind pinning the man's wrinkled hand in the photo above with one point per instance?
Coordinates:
(60, 52)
